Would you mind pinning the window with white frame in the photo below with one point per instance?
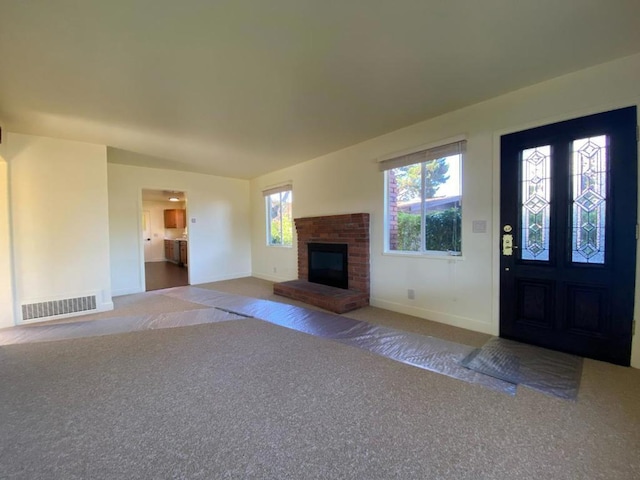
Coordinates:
(279, 216)
(424, 200)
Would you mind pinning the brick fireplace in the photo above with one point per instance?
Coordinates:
(351, 230)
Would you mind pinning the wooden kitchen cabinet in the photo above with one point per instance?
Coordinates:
(183, 252)
(169, 246)
(175, 218)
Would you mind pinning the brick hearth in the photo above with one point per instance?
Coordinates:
(352, 229)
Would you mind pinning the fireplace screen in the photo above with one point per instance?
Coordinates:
(328, 264)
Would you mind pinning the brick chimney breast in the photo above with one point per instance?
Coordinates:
(352, 230)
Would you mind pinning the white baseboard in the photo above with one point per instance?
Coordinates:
(126, 291)
(219, 278)
(440, 317)
(271, 278)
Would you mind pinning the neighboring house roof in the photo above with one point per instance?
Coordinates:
(439, 203)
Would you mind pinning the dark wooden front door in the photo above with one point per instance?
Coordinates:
(568, 235)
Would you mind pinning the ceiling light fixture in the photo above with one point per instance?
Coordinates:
(174, 199)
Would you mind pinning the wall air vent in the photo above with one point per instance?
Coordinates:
(58, 307)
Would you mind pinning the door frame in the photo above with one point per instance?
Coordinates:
(146, 218)
(141, 260)
(496, 225)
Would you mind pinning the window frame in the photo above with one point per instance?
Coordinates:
(268, 221)
(423, 155)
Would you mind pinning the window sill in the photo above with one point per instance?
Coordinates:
(429, 255)
(279, 246)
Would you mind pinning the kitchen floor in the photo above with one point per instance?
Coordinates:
(161, 275)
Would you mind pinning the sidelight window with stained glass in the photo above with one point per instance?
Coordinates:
(536, 202)
(589, 184)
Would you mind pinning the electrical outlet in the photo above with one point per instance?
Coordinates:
(411, 294)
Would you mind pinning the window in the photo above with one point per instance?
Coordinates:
(424, 200)
(279, 217)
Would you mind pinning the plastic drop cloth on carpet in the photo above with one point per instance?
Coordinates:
(547, 371)
(111, 326)
(428, 353)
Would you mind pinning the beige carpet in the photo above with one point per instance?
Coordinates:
(247, 399)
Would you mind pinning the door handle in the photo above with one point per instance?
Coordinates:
(507, 244)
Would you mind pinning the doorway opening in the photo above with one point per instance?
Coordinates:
(165, 237)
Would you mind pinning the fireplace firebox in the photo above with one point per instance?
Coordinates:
(328, 264)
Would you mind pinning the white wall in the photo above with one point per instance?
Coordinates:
(462, 292)
(58, 219)
(6, 282)
(219, 240)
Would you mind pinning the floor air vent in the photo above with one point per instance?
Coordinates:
(58, 307)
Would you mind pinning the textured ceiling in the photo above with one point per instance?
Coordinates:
(243, 87)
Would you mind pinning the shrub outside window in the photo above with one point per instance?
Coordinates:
(424, 200)
(278, 203)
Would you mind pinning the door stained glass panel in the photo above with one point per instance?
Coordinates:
(536, 203)
(589, 183)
